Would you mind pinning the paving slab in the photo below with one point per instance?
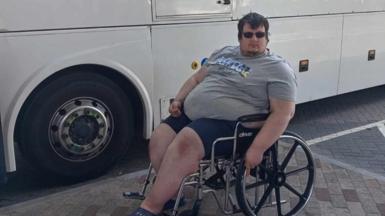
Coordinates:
(364, 150)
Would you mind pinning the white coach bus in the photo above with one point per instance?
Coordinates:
(80, 78)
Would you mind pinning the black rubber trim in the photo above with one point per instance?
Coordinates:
(3, 173)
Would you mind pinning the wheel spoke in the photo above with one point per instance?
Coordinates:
(256, 184)
(278, 199)
(290, 188)
(297, 171)
(263, 199)
(289, 155)
(266, 171)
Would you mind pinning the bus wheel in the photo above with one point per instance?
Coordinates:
(77, 125)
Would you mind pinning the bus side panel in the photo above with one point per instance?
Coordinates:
(279, 8)
(175, 47)
(362, 32)
(317, 39)
(48, 14)
(26, 59)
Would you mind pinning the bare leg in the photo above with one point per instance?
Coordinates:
(161, 138)
(181, 159)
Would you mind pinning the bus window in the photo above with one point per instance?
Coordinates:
(176, 9)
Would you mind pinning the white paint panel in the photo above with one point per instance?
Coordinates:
(366, 5)
(176, 46)
(28, 58)
(280, 8)
(362, 32)
(55, 14)
(190, 7)
(317, 39)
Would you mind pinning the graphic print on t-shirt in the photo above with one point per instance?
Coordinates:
(233, 66)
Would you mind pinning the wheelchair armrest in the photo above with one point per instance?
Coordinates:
(253, 117)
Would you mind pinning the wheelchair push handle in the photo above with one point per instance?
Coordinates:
(253, 117)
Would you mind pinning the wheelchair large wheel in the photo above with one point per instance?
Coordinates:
(282, 184)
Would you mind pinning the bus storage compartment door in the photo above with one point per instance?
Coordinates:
(362, 63)
(197, 9)
(3, 174)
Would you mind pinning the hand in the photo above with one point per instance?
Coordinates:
(175, 108)
(253, 158)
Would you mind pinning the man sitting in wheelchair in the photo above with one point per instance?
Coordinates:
(235, 81)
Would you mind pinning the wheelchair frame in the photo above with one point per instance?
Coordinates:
(230, 170)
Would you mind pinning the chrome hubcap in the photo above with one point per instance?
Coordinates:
(80, 129)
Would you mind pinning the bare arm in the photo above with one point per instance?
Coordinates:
(277, 122)
(187, 87)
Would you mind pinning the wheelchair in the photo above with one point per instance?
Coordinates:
(287, 168)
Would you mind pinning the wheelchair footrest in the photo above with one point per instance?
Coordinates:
(133, 195)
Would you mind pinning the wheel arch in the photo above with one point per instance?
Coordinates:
(124, 77)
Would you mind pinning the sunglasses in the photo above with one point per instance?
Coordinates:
(257, 34)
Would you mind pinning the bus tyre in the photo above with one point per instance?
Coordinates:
(77, 125)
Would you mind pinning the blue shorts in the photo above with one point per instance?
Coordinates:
(211, 129)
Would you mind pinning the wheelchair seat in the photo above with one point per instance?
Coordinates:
(280, 185)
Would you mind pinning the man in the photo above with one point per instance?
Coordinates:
(235, 81)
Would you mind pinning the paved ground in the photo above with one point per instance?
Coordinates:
(346, 136)
(347, 130)
(337, 191)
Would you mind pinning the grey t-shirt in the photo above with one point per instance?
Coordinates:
(238, 85)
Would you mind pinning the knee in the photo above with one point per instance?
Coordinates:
(188, 143)
(161, 134)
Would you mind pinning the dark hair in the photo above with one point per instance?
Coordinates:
(254, 20)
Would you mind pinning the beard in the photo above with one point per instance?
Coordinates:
(253, 53)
